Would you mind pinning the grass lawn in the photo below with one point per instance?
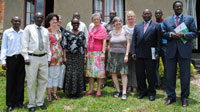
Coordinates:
(107, 103)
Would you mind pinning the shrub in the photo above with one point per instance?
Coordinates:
(161, 69)
(2, 72)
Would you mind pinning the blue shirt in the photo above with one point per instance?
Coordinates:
(11, 43)
(164, 41)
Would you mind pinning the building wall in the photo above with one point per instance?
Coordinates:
(66, 8)
(1, 16)
(13, 8)
(138, 7)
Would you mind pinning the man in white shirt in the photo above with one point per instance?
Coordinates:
(82, 26)
(37, 55)
(13, 62)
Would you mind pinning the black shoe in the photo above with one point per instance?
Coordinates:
(20, 106)
(103, 86)
(43, 107)
(185, 102)
(151, 98)
(9, 109)
(141, 96)
(170, 101)
(32, 109)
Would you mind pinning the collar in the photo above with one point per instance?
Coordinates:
(178, 16)
(38, 26)
(162, 20)
(12, 30)
(147, 22)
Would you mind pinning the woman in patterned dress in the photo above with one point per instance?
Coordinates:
(56, 55)
(96, 55)
(74, 49)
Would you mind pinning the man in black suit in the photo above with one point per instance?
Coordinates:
(146, 39)
(177, 51)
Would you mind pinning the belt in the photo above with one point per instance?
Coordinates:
(15, 56)
(38, 55)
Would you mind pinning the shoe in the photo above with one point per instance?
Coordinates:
(151, 98)
(141, 96)
(89, 93)
(170, 101)
(98, 95)
(55, 96)
(10, 108)
(116, 94)
(103, 86)
(49, 98)
(32, 109)
(43, 107)
(124, 96)
(185, 102)
(20, 106)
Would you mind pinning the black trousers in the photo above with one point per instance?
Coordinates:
(171, 68)
(146, 69)
(15, 76)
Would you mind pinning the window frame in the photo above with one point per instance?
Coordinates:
(35, 6)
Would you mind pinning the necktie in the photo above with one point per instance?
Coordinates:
(145, 26)
(40, 40)
(176, 20)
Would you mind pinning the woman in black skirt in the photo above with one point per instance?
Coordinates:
(74, 49)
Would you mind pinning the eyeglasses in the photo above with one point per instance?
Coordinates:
(76, 23)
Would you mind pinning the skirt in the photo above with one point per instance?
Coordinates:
(74, 82)
(116, 63)
(95, 65)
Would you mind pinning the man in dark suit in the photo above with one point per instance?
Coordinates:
(177, 51)
(146, 37)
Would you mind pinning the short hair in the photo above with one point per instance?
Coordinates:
(96, 14)
(177, 2)
(116, 18)
(131, 13)
(74, 19)
(49, 18)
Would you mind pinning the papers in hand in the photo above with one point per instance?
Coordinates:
(182, 28)
(153, 53)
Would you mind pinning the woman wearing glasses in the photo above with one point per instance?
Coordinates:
(74, 49)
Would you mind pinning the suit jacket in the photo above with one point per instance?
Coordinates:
(142, 42)
(184, 50)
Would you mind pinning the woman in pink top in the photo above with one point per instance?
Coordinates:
(96, 55)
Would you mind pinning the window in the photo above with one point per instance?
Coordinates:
(33, 6)
(105, 6)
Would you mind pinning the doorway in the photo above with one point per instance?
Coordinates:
(49, 7)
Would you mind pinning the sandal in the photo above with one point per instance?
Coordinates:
(49, 97)
(116, 94)
(55, 96)
(124, 96)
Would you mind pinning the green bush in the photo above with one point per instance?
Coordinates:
(2, 72)
(161, 69)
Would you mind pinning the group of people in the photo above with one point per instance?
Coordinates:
(55, 56)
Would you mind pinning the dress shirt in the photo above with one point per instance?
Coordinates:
(174, 16)
(11, 43)
(30, 43)
(179, 17)
(147, 23)
(82, 27)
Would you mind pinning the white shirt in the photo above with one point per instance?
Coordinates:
(82, 27)
(11, 43)
(30, 42)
